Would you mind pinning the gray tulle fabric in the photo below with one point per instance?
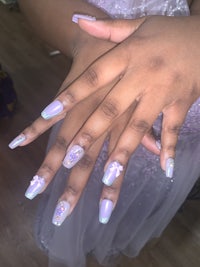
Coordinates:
(148, 200)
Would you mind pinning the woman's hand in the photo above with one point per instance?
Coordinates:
(152, 67)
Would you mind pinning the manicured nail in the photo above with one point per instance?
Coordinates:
(36, 186)
(169, 167)
(106, 208)
(53, 109)
(158, 144)
(112, 172)
(73, 156)
(76, 17)
(61, 212)
(17, 141)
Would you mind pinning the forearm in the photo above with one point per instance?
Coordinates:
(52, 21)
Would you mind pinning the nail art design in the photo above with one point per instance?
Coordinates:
(106, 208)
(73, 156)
(53, 109)
(17, 141)
(61, 212)
(112, 172)
(76, 17)
(36, 186)
(169, 167)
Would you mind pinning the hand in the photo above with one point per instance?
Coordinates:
(160, 49)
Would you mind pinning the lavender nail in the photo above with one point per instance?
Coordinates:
(73, 156)
(53, 109)
(76, 17)
(158, 144)
(36, 186)
(17, 141)
(106, 208)
(61, 212)
(169, 167)
(112, 172)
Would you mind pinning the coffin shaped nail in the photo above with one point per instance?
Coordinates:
(61, 212)
(106, 208)
(53, 109)
(36, 186)
(17, 141)
(169, 167)
(112, 172)
(73, 156)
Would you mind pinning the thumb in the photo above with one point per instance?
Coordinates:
(114, 30)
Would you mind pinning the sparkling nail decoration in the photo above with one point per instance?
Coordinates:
(73, 156)
(36, 186)
(17, 141)
(53, 109)
(112, 172)
(106, 208)
(169, 167)
(61, 212)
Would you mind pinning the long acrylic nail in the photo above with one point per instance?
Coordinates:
(106, 208)
(76, 17)
(169, 167)
(61, 212)
(36, 186)
(17, 141)
(73, 156)
(158, 144)
(112, 172)
(53, 109)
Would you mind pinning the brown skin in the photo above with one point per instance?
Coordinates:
(177, 92)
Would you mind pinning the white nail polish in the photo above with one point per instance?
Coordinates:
(76, 17)
(17, 141)
(36, 186)
(73, 156)
(61, 212)
(169, 167)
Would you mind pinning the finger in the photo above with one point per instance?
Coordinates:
(149, 141)
(76, 183)
(110, 29)
(29, 134)
(173, 118)
(139, 124)
(54, 157)
(108, 70)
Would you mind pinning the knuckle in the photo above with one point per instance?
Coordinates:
(173, 129)
(69, 96)
(72, 190)
(111, 190)
(140, 126)
(33, 130)
(109, 109)
(87, 137)
(156, 63)
(47, 169)
(85, 163)
(61, 143)
(91, 77)
(125, 152)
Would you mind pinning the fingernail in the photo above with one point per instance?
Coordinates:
(158, 144)
(53, 109)
(169, 167)
(106, 208)
(112, 172)
(76, 17)
(17, 141)
(73, 156)
(36, 186)
(61, 212)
